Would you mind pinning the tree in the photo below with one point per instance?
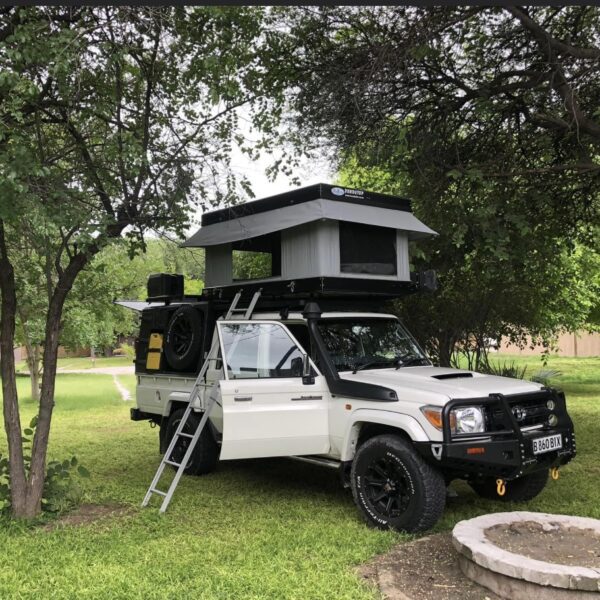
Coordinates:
(504, 94)
(113, 122)
(500, 275)
(487, 118)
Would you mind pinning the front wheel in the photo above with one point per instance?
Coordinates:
(394, 487)
(518, 490)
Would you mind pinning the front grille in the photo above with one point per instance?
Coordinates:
(528, 409)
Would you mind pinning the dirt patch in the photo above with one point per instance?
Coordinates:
(88, 513)
(551, 542)
(425, 569)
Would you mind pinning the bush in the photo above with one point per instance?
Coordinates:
(127, 350)
(504, 370)
(545, 376)
(61, 488)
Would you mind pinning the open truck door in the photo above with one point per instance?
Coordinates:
(269, 407)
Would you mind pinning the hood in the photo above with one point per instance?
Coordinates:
(442, 384)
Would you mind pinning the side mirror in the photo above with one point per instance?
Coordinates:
(307, 374)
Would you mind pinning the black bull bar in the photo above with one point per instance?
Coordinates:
(505, 449)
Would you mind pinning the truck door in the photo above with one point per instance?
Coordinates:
(267, 410)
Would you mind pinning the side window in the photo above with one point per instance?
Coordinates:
(367, 249)
(256, 350)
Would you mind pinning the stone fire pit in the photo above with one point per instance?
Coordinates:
(520, 554)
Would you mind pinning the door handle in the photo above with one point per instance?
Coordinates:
(242, 398)
(309, 398)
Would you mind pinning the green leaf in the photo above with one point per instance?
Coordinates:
(83, 471)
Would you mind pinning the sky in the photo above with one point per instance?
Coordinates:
(309, 173)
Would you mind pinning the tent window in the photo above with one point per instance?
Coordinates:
(367, 249)
(257, 258)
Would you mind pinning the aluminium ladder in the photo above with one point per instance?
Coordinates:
(232, 313)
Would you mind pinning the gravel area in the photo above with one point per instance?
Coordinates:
(552, 543)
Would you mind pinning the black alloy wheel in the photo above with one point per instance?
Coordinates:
(394, 488)
(184, 339)
(388, 488)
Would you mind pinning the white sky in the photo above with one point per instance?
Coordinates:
(310, 172)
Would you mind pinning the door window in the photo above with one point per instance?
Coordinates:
(259, 350)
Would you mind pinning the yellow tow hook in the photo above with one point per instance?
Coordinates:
(554, 473)
(500, 487)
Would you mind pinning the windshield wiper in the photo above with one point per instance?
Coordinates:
(370, 363)
(407, 361)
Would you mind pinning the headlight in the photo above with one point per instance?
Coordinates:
(468, 419)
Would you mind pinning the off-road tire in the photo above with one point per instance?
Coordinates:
(518, 490)
(206, 453)
(183, 341)
(418, 491)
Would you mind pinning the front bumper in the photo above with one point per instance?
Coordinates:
(506, 449)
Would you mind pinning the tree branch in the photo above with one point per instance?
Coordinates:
(559, 82)
(542, 35)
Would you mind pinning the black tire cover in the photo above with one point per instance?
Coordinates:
(183, 341)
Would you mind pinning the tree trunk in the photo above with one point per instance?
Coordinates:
(12, 419)
(446, 343)
(42, 432)
(33, 364)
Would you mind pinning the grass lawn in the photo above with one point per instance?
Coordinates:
(253, 529)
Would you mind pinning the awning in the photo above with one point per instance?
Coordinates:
(137, 305)
(278, 219)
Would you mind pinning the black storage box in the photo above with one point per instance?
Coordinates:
(163, 286)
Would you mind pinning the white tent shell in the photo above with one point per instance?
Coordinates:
(305, 226)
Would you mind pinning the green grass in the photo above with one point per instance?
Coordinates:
(85, 363)
(253, 529)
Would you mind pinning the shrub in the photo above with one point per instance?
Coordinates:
(545, 376)
(61, 488)
(504, 370)
(127, 350)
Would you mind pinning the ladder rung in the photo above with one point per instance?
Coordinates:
(159, 492)
(172, 463)
(185, 435)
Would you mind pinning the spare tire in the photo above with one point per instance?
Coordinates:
(183, 341)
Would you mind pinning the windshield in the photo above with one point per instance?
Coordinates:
(356, 344)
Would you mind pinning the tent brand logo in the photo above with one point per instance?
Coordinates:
(355, 193)
(337, 191)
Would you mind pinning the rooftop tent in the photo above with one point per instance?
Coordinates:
(313, 232)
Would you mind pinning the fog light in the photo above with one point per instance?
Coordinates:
(553, 420)
(550, 404)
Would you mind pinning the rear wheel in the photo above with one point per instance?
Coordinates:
(206, 453)
(518, 490)
(394, 487)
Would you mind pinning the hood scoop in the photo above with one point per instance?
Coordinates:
(452, 376)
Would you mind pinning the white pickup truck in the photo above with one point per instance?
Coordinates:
(355, 391)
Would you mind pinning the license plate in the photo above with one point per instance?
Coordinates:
(547, 444)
